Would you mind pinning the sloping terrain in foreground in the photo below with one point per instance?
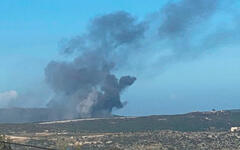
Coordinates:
(197, 130)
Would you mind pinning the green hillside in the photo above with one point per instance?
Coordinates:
(195, 121)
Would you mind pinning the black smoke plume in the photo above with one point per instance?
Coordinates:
(86, 87)
(182, 30)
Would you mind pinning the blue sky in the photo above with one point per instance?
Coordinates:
(31, 30)
(30, 33)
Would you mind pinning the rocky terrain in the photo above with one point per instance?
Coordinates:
(164, 140)
(156, 140)
(197, 130)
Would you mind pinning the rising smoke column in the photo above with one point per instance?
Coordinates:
(181, 31)
(86, 86)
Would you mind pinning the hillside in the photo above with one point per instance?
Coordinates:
(196, 130)
(195, 121)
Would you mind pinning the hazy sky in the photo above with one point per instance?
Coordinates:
(30, 33)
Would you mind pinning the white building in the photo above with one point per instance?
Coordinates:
(235, 129)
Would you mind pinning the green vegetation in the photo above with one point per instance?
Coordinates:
(196, 130)
(196, 121)
(4, 146)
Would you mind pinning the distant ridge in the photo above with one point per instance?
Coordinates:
(194, 121)
(31, 115)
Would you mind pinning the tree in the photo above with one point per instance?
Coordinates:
(3, 145)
